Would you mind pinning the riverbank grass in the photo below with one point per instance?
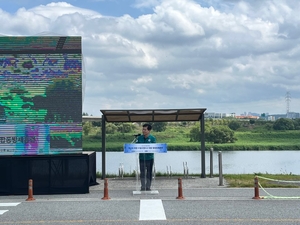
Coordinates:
(178, 139)
(239, 180)
(265, 180)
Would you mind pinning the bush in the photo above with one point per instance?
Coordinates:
(220, 134)
(283, 124)
(234, 125)
(159, 126)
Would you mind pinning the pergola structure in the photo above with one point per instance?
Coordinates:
(153, 115)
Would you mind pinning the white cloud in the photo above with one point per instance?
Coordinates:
(54, 10)
(146, 3)
(233, 56)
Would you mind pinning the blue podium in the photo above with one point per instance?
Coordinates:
(145, 148)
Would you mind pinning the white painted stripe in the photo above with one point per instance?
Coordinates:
(152, 209)
(9, 204)
(3, 211)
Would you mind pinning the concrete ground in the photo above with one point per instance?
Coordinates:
(204, 202)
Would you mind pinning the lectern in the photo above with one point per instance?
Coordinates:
(144, 148)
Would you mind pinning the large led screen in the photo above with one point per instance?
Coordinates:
(40, 95)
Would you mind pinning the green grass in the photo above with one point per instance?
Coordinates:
(291, 137)
(177, 138)
(239, 180)
(247, 180)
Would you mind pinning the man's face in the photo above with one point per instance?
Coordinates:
(146, 132)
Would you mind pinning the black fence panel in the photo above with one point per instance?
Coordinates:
(92, 168)
(53, 174)
(5, 181)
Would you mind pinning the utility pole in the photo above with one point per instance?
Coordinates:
(287, 100)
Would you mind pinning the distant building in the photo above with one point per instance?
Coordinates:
(251, 115)
(214, 115)
(275, 117)
(293, 115)
(289, 115)
(247, 117)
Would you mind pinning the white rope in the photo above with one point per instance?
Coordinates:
(275, 197)
(281, 181)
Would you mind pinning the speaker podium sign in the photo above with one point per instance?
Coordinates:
(145, 148)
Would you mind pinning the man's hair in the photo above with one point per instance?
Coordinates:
(149, 127)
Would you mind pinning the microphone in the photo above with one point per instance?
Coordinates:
(136, 135)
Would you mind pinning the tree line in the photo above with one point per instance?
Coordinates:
(217, 131)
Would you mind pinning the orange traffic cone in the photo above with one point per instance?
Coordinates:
(30, 191)
(180, 196)
(106, 197)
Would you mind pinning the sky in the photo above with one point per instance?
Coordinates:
(228, 56)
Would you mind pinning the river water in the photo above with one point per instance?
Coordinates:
(234, 162)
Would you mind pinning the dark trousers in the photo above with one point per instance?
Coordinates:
(146, 173)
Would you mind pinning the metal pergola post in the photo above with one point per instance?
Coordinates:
(202, 147)
(103, 148)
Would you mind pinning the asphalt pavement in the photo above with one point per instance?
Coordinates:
(202, 201)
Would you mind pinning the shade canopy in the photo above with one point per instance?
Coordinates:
(153, 115)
